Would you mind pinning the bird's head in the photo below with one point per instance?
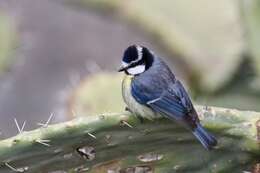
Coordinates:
(136, 60)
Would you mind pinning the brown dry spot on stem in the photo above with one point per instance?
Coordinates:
(113, 165)
(87, 152)
(138, 169)
(150, 157)
(256, 168)
(125, 123)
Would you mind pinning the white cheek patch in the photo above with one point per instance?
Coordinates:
(136, 70)
(124, 64)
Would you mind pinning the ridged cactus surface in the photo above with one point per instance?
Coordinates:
(120, 143)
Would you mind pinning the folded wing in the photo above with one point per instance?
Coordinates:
(172, 102)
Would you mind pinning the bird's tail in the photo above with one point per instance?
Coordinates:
(206, 139)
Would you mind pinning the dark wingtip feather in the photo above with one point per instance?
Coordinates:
(206, 139)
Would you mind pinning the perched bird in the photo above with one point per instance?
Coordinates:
(151, 90)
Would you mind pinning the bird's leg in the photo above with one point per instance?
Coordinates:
(140, 118)
(128, 110)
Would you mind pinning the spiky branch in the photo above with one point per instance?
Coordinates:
(120, 142)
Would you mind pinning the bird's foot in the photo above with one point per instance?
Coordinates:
(128, 110)
(141, 119)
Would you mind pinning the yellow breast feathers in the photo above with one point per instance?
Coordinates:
(132, 104)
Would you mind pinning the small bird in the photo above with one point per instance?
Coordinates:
(151, 90)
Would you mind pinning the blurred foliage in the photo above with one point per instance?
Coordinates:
(238, 93)
(206, 39)
(251, 16)
(102, 5)
(6, 41)
(216, 40)
(104, 89)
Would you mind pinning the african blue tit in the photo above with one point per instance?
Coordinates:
(151, 90)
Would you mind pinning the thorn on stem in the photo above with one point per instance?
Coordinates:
(91, 135)
(44, 125)
(16, 169)
(23, 126)
(43, 142)
(20, 130)
(126, 123)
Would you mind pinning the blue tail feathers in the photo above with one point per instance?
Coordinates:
(206, 139)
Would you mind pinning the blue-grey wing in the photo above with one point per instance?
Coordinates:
(182, 94)
(173, 102)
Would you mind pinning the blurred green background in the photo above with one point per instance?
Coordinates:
(7, 36)
(61, 56)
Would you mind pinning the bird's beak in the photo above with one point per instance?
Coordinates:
(122, 68)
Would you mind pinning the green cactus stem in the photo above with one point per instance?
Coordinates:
(117, 143)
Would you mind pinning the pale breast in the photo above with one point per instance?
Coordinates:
(132, 104)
